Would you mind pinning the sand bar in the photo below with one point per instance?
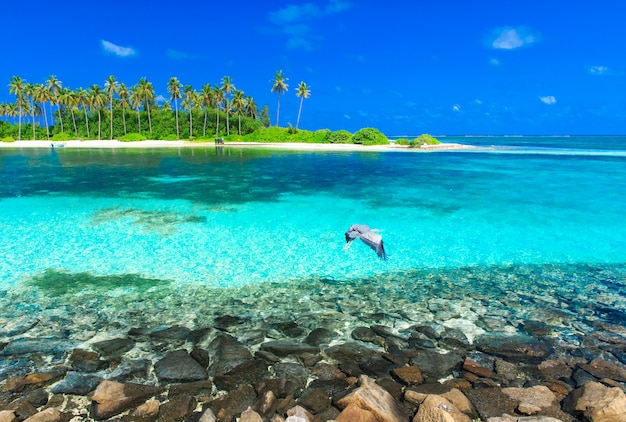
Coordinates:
(279, 145)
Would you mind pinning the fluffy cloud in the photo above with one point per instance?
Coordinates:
(509, 38)
(293, 21)
(456, 107)
(548, 99)
(598, 70)
(117, 50)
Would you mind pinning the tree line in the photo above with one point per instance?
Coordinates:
(50, 108)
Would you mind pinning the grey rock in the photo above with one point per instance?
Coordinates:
(437, 365)
(523, 349)
(351, 351)
(287, 347)
(115, 347)
(319, 336)
(226, 352)
(129, 369)
(234, 402)
(178, 366)
(77, 383)
(176, 332)
(50, 345)
(249, 372)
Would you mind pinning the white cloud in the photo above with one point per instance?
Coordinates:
(494, 62)
(509, 38)
(117, 50)
(289, 20)
(160, 98)
(347, 116)
(598, 70)
(456, 107)
(548, 99)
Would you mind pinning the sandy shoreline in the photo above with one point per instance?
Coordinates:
(279, 145)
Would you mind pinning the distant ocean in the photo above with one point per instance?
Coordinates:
(526, 226)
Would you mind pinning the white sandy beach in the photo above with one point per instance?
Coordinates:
(278, 145)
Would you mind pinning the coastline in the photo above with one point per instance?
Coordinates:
(280, 145)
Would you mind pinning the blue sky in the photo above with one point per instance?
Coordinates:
(405, 67)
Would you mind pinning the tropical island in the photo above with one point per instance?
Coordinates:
(52, 112)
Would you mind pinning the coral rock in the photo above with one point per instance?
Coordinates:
(370, 396)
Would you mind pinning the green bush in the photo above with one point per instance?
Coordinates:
(339, 137)
(424, 139)
(170, 137)
(132, 137)
(7, 139)
(370, 136)
(402, 141)
(61, 136)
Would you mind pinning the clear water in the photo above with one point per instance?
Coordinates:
(486, 232)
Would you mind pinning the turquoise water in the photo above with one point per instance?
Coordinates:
(465, 227)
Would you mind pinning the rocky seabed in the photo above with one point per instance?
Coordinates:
(314, 352)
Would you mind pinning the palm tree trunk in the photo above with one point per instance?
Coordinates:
(177, 131)
(111, 116)
(60, 118)
(190, 125)
(299, 111)
(32, 115)
(19, 123)
(86, 121)
(239, 124)
(227, 113)
(217, 126)
(99, 124)
(204, 130)
(74, 121)
(124, 117)
(149, 119)
(139, 121)
(278, 110)
(45, 118)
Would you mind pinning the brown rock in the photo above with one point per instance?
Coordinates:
(147, 410)
(208, 416)
(408, 375)
(112, 398)
(354, 413)
(370, 396)
(30, 381)
(509, 418)
(600, 368)
(531, 400)
(460, 401)
(177, 408)
(300, 412)
(48, 415)
(476, 368)
(266, 404)
(599, 403)
(437, 409)
(414, 397)
(7, 416)
(250, 415)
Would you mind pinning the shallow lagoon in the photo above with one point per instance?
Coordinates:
(97, 241)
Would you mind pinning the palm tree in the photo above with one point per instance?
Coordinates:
(97, 100)
(123, 92)
(42, 96)
(54, 86)
(239, 102)
(227, 87)
(251, 107)
(82, 97)
(146, 91)
(304, 91)
(280, 87)
(29, 92)
(218, 98)
(66, 98)
(189, 102)
(136, 100)
(110, 87)
(173, 87)
(17, 87)
(4, 111)
(206, 97)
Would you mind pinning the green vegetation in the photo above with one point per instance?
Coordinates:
(278, 134)
(132, 137)
(7, 139)
(370, 136)
(61, 136)
(338, 137)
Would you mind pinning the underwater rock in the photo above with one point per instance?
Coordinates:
(234, 402)
(77, 383)
(319, 336)
(177, 408)
(287, 347)
(408, 375)
(50, 345)
(227, 322)
(136, 368)
(437, 365)
(249, 372)
(174, 333)
(112, 398)
(314, 400)
(600, 368)
(86, 361)
(178, 366)
(365, 334)
(114, 348)
(32, 381)
(226, 352)
(351, 352)
(519, 349)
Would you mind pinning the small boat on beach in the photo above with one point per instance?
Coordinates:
(57, 145)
